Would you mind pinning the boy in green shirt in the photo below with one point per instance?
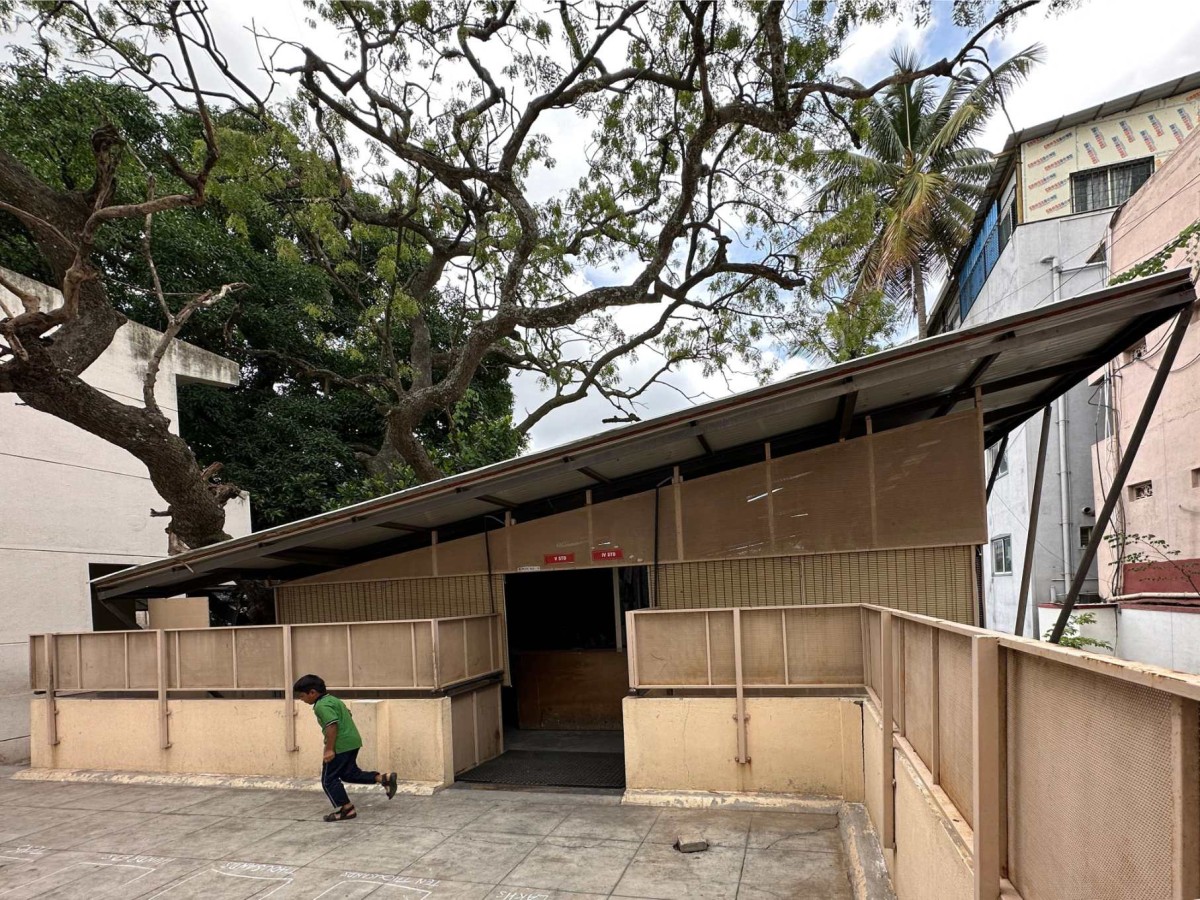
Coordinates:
(342, 743)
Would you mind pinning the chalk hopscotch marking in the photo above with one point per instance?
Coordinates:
(146, 870)
(25, 853)
(281, 874)
(400, 882)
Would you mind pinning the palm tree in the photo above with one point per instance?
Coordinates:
(918, 174)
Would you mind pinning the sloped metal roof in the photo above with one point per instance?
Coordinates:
(1017, 364)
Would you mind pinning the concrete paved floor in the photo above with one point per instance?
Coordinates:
(75, 840)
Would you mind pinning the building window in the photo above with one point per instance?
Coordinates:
(1108, 186)
(1085, 535)
(991, 462)
(1002, 555)
(1143, 490)
(1196, 478)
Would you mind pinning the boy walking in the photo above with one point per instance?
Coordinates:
(342, 743)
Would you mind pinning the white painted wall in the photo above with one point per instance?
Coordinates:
(1019, 282)
(70, 499)
(1167, 639)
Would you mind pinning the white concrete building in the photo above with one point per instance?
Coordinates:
(74, 506)
(1038, 238)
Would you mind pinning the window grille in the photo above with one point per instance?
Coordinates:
(1108, 186)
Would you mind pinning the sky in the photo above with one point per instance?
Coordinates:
(1099, 50)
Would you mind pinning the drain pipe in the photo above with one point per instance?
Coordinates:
(1064, 473)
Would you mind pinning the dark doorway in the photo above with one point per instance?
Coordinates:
(562, 714)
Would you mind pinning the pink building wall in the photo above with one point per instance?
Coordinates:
(1169, 458)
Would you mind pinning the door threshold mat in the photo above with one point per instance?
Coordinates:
(553, 768)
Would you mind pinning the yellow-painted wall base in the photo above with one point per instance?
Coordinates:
(411, 737)
(797, 745)
(930, 862)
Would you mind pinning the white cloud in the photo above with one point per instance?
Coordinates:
(1098, 51)
(866, 56)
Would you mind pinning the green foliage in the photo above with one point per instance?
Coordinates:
(899, 204)
(1158, 262)
(1072, 638)
(1141, 551)
(294, 440)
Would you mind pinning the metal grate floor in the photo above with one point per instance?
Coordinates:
(551, 768)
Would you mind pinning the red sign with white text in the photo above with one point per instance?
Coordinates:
(605, 555)
(552, 559)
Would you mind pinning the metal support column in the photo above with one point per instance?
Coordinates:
(1118, 485)
(1031, 537)
(996, 466)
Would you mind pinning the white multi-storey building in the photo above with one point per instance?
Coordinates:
(1040, 237)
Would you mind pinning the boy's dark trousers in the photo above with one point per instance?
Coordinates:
(343, 768)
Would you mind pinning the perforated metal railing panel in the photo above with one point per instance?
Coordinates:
(918, 688)
(954, 720)
(1085, 821)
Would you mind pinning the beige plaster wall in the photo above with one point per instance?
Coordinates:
(797, 745)
(179, 612)
(873, 764)
(928, 864)
(240, 737)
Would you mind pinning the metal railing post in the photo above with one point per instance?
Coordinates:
(631, 648)
(1185, 773)
(437, 654)
(739, 716)
(935, 705)
(986, 768)
(51, 651)
(887, 836)
(164, 712)
(289, 696)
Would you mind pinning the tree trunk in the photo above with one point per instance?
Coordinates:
(197, 515)
(918, 286)
(401, 446)
(50, 380)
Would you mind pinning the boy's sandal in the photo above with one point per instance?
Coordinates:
(389, 784)
(341, 815)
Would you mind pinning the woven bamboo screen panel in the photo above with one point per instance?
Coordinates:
(821, 500)
(401, 598)
(935, 581)
(566, 533)
(469, 555)
(727, 514)
(627, 525)
(955, 708)
(1106, 812)
(824, 646)
(920, 486)
(918, 687)
(671, 648)
(929, 483)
